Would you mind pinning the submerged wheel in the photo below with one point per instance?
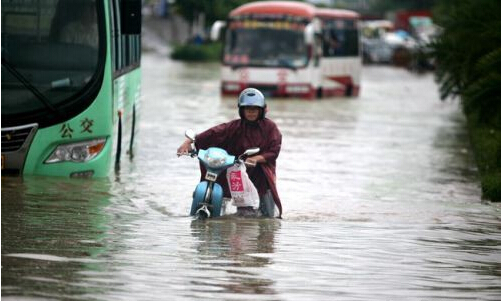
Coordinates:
(210, 194)
(349, 90)
(198, 197)
(319, 92)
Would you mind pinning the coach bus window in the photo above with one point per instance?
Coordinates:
(46, 61)
(340, 38)
(125, 47)
(76, 22)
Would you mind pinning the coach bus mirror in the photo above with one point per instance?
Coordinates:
(215, 31)
(309, 34)
(130, 16)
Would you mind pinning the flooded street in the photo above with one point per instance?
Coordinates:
(381, 201)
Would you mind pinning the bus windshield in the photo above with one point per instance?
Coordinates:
(266, 44)
(49, 54)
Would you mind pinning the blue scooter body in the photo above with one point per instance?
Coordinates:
(215, 160)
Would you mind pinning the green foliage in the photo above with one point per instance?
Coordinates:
(382, 6)
(214, 10)
(491, 186)
(468, 55)
(197, 53)
(486, 143)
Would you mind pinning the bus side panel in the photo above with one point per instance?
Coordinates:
(135, 88)
(127, 98)
(94, 122)
(341, 76)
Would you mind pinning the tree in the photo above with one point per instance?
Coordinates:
(468, 54)
(382, 6)
(212, 9)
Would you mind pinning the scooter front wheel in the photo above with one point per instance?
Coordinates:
(198, 197)
(203, 212)
(214, 201)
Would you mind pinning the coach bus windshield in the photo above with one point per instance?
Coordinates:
(266, 44)
(49, 57)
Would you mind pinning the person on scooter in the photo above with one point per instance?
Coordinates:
(252, 129)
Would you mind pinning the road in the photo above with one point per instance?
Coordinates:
(381, 201)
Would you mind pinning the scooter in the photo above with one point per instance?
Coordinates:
(208, 195)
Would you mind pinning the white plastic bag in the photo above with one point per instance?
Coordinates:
(243, 192)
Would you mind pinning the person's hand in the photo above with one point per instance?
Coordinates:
(250, 162)
(185, 148)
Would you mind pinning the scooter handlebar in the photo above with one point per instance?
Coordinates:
(192, 153)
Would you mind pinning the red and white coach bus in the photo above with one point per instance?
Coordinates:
(290, 49)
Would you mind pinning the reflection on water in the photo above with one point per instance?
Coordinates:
(52, 230)
(236, 239)
(229, 249)
(380, 194)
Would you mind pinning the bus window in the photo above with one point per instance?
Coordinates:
(75, 22)
(126, 41)
(340, 38)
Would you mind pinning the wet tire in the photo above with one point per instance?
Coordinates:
(198, 197)
(349, 90)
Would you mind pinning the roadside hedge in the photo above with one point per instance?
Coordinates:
(468, 57)
(206, 52)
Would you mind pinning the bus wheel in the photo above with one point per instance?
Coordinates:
(349, 90)
(319, 92)
(133, 130)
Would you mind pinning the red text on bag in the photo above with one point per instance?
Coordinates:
(236, 183)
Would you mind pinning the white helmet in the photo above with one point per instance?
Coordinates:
(251, 97)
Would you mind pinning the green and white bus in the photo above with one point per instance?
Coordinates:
(71, 83)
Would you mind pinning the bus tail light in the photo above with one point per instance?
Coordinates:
(77, 152)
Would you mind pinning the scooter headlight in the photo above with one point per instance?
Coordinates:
(215, 162)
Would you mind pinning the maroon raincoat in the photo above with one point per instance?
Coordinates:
(239, 135)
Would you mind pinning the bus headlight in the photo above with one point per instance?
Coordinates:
(77, 152)
(231, 87)
(299, 89)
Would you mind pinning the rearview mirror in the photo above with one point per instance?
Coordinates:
(252, 151)
(215, 32)
(190, 134)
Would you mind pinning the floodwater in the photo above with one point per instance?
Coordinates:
(381, 201)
